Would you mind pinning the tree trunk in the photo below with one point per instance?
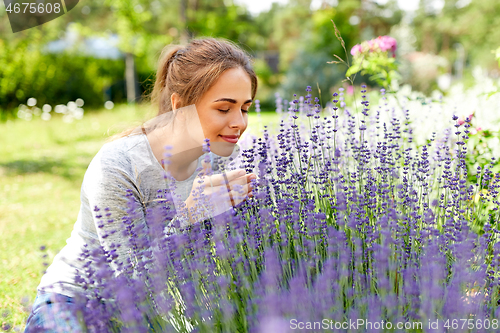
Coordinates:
(183, 17)
(131, 79)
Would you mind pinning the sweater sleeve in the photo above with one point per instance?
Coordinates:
(114, 205)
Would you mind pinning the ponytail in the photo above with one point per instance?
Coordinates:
(161, 92)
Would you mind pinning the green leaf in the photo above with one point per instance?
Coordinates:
(352, 70)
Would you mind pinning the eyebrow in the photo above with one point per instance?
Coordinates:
(230, 100)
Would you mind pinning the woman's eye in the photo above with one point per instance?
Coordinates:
(226, 111)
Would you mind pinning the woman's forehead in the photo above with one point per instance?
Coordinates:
(233, 84)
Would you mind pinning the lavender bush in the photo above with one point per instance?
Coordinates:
(351, 222)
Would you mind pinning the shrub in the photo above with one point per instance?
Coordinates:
(28, 72)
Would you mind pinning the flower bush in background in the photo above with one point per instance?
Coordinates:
(433, 114)
(350, 219)
(376, 58)
(379, 44)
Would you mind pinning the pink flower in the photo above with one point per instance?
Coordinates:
(461, 121)
(381, 43)
(350, 90)
(475, 130)
(356, 49)
(387, 43)
(371, 45)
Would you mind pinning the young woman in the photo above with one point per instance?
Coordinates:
(203, 91)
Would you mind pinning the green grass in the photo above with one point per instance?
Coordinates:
(41, 171)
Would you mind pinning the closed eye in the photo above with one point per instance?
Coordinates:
(226, 111)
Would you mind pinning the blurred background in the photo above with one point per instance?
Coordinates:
(100, 58)
(106, 50)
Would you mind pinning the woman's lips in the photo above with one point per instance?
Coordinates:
(232, 139)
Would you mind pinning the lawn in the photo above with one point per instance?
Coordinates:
(42, 164)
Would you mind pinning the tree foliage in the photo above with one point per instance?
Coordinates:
(293, 30)
(471, 23)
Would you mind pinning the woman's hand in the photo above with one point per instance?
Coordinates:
(214, 194)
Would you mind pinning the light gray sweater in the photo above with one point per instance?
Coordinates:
(124, 164)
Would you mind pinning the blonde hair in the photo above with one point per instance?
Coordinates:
(193, 69)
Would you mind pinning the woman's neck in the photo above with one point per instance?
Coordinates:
(184, 157)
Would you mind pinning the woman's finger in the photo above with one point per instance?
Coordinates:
(240, 193)
(222, 195)
(206, 167)
(219, 198)
(251, 176)
(231, 176)
(245, 179)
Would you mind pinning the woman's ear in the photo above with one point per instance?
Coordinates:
(175, 99)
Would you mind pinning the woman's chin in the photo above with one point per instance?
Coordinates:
(223, 149)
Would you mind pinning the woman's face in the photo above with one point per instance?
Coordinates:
(223, 110)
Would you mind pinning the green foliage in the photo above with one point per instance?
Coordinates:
(309, 69)
(144, 29)
(322, 39)
(497, 55)
(230, 21)
(481, 151)
(52, 78)
(309, 55)
(467, 23)
(268, 83)
(381, 68)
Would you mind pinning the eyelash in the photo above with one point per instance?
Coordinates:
(226, 111)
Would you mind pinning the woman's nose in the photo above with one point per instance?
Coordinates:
(238, 121)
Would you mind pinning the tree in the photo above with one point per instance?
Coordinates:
(458, 22)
